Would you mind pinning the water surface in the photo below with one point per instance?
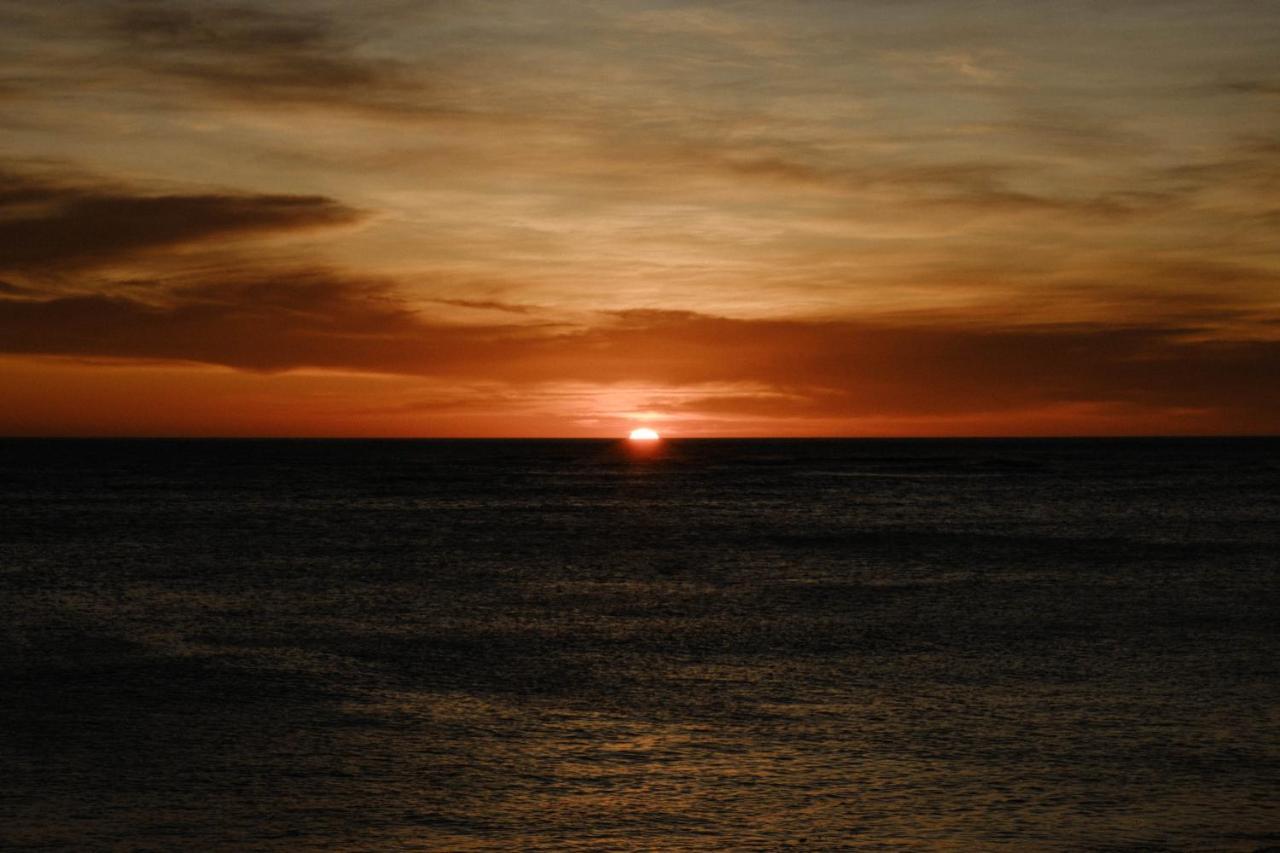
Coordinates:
(959, 645)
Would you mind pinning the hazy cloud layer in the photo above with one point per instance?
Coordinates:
(801, 369)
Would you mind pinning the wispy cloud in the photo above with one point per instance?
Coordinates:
(486, 305)
(1266, 88)
(256, 54)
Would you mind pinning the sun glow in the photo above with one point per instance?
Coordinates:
(644, 434)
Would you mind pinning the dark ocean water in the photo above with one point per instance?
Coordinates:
(962, 645)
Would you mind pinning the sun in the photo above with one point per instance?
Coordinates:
(644, 434)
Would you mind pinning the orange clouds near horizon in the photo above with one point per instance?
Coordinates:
(551, 218)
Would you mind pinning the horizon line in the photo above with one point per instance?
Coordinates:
(969, 437)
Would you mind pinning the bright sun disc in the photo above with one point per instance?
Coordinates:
(644, 434)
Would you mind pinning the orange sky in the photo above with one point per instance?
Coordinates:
(555, 218)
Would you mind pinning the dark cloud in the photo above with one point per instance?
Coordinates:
(1269, 88)
(805, 369)
(56, 225)
(257, 54)
(486, 305)
(848, 367)
(10, 289)
(237, 28)
(289, 321)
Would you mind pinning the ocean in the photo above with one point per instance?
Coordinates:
(581, 645)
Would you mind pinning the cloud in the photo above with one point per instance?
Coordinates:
(950, 190)
(865, 367)
(1250, 164)
(10, 289)
(177, 56)
(486, 305)
(1266, 88)
(47, 224)
(254, 54)
(799, 369)
(286, 321)
(958, 65)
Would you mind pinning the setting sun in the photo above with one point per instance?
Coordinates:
(644, 434)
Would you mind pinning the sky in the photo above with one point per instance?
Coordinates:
(553, 218)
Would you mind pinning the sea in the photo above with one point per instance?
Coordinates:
(969, 645)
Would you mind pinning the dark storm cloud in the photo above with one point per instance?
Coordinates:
(806, 369)
(48, 224)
